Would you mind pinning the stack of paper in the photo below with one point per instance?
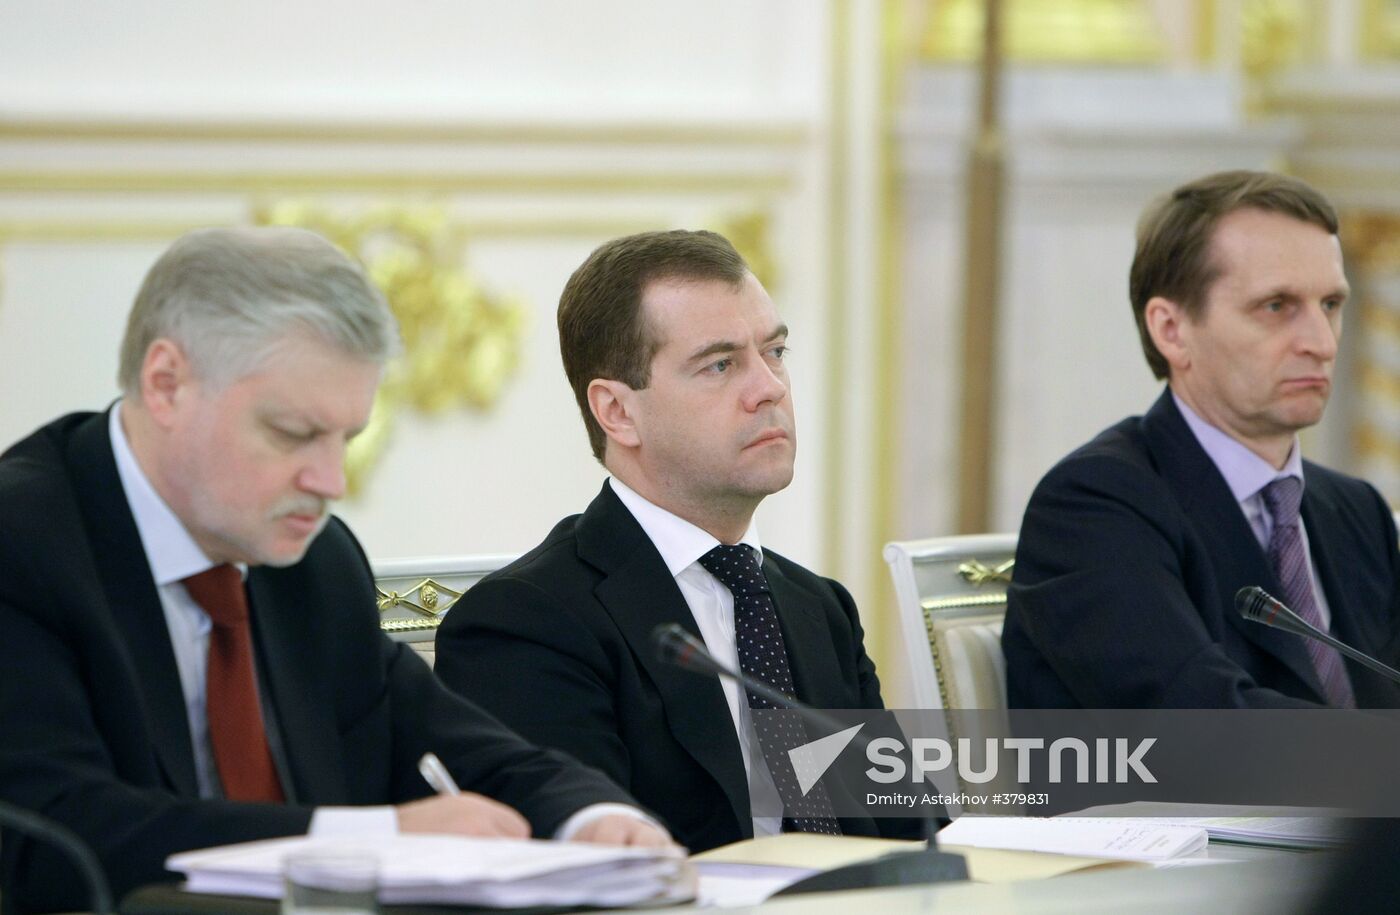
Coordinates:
(1279, 832)
(1106, 837)
(456, 870)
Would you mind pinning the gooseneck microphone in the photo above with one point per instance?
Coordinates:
(674, 645)
(1259, 606)
(43, 829)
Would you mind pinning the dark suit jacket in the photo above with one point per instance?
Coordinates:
(558, 645)
(1129, 558)
(92, 714)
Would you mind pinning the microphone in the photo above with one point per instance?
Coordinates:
(677, 647)
(1259, 606)
(674, 645)
(46, 830)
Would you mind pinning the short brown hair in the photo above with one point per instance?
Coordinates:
(1174, 235)
(602, 329)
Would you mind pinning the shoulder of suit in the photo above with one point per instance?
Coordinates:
(542, 563)
(801, 575)
(37, 500)
(1120, 450)
(1340, 487)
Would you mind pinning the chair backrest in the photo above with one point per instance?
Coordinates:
(952, 600)
(415, 594)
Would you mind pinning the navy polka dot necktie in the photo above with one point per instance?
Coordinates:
(763, 656)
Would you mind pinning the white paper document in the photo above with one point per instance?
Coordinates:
(458, 870)
(1107, 837)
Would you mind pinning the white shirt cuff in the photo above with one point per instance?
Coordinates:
(353, 821)
(586, 815)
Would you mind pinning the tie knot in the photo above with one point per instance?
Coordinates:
(1283, 498)
(220, 592)
(737, 567)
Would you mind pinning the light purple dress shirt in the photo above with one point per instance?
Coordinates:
(1246, 473)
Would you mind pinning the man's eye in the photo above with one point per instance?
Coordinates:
(720, 366)
(780, 351)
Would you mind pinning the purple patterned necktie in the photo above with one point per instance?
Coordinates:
(1292, 565)
(763, 656)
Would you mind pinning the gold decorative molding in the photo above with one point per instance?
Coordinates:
(461, 342)
(1380, 30)
(1275, 34)
(933, 605)
(977, 574)
(593, 133)
(620, 181)
(751, 234)
(69, 230)
(429, 598)
(1372, 239)
(1049, 31)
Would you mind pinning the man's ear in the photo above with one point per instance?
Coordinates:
(1167, 324)
(614, 405)
(166, 377)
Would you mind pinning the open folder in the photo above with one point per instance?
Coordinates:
(506, 873)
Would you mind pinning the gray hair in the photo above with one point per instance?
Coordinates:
(230, 296)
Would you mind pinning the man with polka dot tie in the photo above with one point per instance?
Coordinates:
(676, 355)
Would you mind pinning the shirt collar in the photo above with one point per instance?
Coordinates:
(680, 543)
(171, 551)
(1245, 472)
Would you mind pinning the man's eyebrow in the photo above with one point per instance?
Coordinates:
(713, 348)
(780, 331)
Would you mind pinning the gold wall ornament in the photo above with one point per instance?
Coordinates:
(751, 234)
(1048, 31)
(977, 573)
(1380, 30)
(461, 341)
(1276, 34)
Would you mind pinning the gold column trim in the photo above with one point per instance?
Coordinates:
(837, 276)
(616, 133)
(13, 180)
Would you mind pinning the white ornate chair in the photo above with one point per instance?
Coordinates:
(951, 593)
(414, 594)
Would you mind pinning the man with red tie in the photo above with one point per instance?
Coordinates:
(191, 652)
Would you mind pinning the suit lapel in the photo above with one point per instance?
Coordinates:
(305, 721)
(131, 595)
(640, 594)
(805, 636)
(1229, 541)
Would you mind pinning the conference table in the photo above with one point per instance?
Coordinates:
(1249, 880)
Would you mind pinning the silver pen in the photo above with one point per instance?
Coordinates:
(436, 774)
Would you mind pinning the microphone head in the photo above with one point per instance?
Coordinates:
(1254, 603)
(670, 640)
(1259, 606)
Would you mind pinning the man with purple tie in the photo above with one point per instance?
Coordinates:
(1134, 545)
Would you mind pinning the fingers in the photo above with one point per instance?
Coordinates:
(619, 829)
(464, 814)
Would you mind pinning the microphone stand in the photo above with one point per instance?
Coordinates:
(1259, 606)
(901, 868)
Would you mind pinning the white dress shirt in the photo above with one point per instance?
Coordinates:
(173, 556)
(681, 544)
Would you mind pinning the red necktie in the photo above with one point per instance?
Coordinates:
(231, 694)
